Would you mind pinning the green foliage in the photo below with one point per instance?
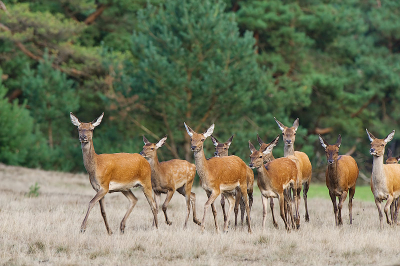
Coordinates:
(33, 191)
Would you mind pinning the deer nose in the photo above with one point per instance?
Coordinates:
(215, 153)
(371, 150)
(330, 161)
(193, 148)
(141, 153)
(251, 165)
(288, 141)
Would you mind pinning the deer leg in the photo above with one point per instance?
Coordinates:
(147, 193)
(342, 198)
(100, 194)
(243, 190)
(211, 198)
(387, 207)
(238, 201)
(157, 199)
(379, 207)
(396, 213)
(306, 186)
(289, 206)
(170, 193)
(223, 206)
(232, 203)
(335, 209)
(282, 210)
(103, 213)
(193, 201)
(264, 203)
(352, 191)
(133, 201)
(271, 204)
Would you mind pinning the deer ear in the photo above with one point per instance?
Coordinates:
(259, 140)
(269, 148)
(214, 140)
(370, 136)
(145, 140)
(251, 147)
(229, 141)
(161, 142)
(280, 125)
(209, 131)
(97, 121)
(389, 137)
(323, 142)
(189, 130)
(296, 124)
(275, 141)
(74, 119)
(339, 141)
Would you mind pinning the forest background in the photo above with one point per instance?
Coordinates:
(151, 65)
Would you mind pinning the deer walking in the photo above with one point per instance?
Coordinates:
(341, 176)
(118, 172)
(289, 137)
(385, 179)
(170, 176)
(221, 149)
(274, 179)
(219, 175)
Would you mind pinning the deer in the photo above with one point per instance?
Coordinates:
(274, 179)
(289, 137)
(341, 176)
(268, 158)
(221, 149)
(170, 176)
(393, 207)
(117, 172)
(385, 178)
(219, 175)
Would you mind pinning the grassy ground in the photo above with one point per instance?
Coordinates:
(321, 191)
(45, 230)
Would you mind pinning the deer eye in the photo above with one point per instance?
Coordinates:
(283, 134)
(152, 149)
(224, 148)
(382, 145)
(202, 140)
(261, 156)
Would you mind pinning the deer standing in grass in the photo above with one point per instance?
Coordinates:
(118, 172)
(274, 179)
(341, 176)
(289, 137)
(219, 175)
(385, 179)
(221, 149)
(393, 207)
(170, 176)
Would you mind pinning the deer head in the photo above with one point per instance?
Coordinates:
(256, 156)
(264, 146)
(85, 129)
(378, 145)
(390, 159)
(288, 133)
(221, 149)
(196, 139)
(331, 151)
(150, 149)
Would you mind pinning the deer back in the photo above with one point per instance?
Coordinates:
(281, 172)
(226, 170)
(392, 172)
(305, 165)
(177, 172)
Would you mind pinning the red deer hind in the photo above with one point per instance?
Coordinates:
(118, 172)
(170, 176)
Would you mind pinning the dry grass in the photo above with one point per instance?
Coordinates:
(45, 231)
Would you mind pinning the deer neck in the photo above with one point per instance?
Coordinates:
(154, 164)
(288, 150)
(377, 168)
(89, 157)
(269, 158)
(263, 173)
(201, 163)
(332, 174)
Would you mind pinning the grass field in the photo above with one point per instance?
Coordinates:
(44, 230)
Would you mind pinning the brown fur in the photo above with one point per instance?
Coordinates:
(273, 179)
(341, 176)
(385, 179)
(113, 172)
(169, 176)
(219, 175)
(221, 150)
(289, 137)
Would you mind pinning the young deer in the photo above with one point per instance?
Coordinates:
(289, 137)
(274, 179)
(268, 158)
(393, 207)
(221, 149)
(341, 176)
(118, 172)
(219, 175)
(166, 177)
(385, 179)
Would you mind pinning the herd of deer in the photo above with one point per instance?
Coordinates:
(281, 178)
